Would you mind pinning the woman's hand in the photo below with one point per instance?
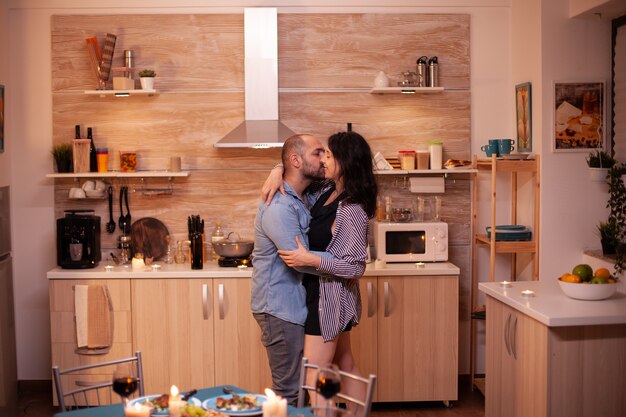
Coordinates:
(273, 183)
(299, 256)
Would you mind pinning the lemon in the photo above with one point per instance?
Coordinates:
(584, 271)
(570, 278)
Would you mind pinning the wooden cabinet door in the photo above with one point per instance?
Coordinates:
(240, 357)
(173, 328)
(418, 338)
(364, 337)
(499, 366)
(63, 330)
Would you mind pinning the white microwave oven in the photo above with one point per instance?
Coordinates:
(410, 242)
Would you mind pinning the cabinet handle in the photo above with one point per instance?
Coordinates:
(506, 333)
(370, 304)
(205, 301)
(514, 337)
(220, 298)
(386, 294)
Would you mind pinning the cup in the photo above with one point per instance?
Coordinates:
(488, 149)
(505, 146)
(175, 164)
(76, 251)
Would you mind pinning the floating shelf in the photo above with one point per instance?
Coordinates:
(120, 93)
(406, 90)
(425, 171)
(118, 174)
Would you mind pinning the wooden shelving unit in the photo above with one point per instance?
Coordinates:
(493, 167)
(406, 90)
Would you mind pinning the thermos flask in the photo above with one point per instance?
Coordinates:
(433, 72)
(422, 71)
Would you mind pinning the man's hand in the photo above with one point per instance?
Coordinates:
(299, 256)
(272, 184)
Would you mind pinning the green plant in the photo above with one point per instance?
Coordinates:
(617, 213)
(147, 73)
(600, 159)
(607, 230)
(63, 155)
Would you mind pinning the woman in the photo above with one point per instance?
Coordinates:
(338, 250)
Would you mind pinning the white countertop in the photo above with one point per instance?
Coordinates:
(212, 270)
(553, 308)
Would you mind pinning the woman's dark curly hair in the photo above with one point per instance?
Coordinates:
(355, 163)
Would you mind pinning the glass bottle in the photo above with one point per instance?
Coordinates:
(216, 236)
(93, 158)
(169, 256)
(180, 257)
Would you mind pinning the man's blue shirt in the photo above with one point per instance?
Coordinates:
(276, 288)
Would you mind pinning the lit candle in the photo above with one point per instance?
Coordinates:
(419, 264)
(528, 293)
(108, 268)
(156, 267)
(137, 410)
(505, 284)
(274, 406)
(138, 264)
(175, 403)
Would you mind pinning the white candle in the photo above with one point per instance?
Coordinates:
(505, 284)
(528, 293)
(138, 264)
(274, 406)
(108, 268)
(137, 410)
(175, 403)
(419, 264)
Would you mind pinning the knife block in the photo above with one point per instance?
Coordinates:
(80, 149)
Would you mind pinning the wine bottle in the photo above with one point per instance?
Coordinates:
(93, 158)
(77, 130)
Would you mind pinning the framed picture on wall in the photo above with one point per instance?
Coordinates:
(1, 118)
(523, 111)
(578, 116)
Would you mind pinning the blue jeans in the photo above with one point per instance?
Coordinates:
(284, 343)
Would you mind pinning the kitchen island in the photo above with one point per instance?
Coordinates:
(194, 327)
(550, 355)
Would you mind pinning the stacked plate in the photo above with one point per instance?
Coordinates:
(510, 233)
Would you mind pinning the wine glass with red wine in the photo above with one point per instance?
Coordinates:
(125, 381)
(328, 382)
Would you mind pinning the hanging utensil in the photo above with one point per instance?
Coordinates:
(122, 220)
(110, 226)
(127, 218)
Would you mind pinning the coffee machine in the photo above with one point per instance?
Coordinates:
(78, 240)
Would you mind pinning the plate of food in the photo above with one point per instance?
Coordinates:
(160, 403)
(236, 404)
(457, 164)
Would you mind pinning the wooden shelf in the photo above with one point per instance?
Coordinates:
(507, 165)
(425, 171)
(502, 246)
(118, 174)
(406, 90)
(120, 93)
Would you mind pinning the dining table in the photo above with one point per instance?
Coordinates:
(117, 410)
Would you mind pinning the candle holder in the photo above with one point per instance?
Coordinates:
(528, 294)
(419, 265)
(505, 284)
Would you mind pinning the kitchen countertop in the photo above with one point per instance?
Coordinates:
(553, 308)
(212, 270)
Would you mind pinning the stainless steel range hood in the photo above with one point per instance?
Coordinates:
(261, 129)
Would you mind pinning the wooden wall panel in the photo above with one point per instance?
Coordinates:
(348, 50)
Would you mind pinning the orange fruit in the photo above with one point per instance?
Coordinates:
(602, 273)
(584, 271)
(570, 278)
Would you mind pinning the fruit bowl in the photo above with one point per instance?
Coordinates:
(580, 291)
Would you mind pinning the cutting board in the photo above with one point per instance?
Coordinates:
(148, 237)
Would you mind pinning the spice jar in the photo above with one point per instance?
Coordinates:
(102, 155)
(128, 160)
(407, 160)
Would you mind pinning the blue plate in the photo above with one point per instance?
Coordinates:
(210, 405)
(147, 398)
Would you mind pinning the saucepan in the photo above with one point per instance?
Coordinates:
(229, 248)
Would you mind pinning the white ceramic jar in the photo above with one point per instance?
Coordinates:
(436, 154)
(381, 80)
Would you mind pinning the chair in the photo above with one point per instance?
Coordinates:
(89, 394)
(369, 383)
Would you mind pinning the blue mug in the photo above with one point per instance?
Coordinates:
(490, 150)
(505, 146)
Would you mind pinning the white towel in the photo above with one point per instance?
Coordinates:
(81, 314)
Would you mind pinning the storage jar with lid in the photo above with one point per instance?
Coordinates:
(407, 160)
(128, 160)
(436, 154)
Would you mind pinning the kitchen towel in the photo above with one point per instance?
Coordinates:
(427, 185)
(94, 320)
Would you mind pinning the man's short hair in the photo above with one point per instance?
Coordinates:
(293, 144)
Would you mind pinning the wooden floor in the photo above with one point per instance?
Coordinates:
(36, 401)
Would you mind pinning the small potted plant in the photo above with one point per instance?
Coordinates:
(62, 155)
(608, 236)
(146, 77)
(599, 163)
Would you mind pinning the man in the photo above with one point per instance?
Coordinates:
(278, 297)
